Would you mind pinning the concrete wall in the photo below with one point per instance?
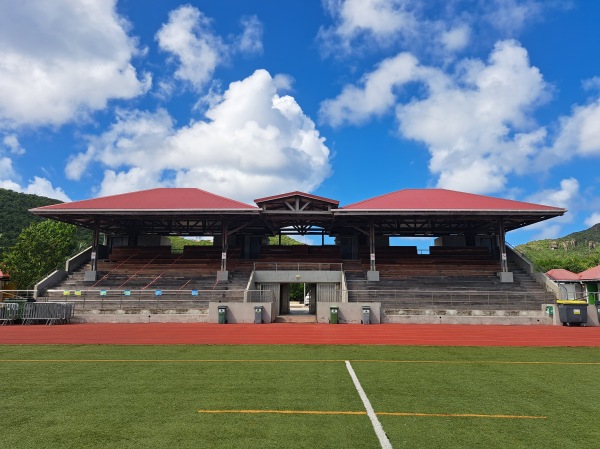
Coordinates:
(479, 317)
(56, 277)
(144, 316)
(349, 312)
(50, 281)
(76, 261)
(527, 266)
(593, 311)
(241, 312)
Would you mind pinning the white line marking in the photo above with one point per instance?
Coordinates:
(383, 439)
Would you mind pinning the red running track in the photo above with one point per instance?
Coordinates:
(326, 334)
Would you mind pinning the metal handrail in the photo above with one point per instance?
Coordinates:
(298, 266)
(16, 294)
(446, 298)
(159, 299)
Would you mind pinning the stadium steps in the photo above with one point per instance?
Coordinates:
(298, 319)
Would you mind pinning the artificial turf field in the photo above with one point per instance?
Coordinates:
(278, 396)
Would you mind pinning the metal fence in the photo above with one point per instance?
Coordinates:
(35, 312)
(448, 299)
(83, 300)
(8, 313)
(48, 313)
(260, 296)
(6, 295)
(296, 266)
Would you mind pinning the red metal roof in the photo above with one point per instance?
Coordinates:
(293, 194)
(179, 199)
(592, 274)
(444, 200)
(559, 274)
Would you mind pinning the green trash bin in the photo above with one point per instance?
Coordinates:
(334, 312)
(21, 303)
(222, 310)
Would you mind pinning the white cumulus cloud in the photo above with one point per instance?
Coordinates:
(50, 77)
(253, 141)
(359, 23)
(374, 96)
(433, 27)
(475, 122)
(251, 39)
(593, 219)
(11, 141)
(456, 38)
(189, 37)
(566, 197)
(578, 135)
(38, 186)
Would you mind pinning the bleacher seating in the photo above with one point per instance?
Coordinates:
(409, 278)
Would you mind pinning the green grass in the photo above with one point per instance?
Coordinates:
(149, 396)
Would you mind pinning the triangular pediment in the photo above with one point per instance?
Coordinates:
(298, 202)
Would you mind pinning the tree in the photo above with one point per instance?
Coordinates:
(40, 249)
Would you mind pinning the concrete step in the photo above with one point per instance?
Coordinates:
(298, 319)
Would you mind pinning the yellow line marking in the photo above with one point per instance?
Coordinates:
(450, 362)
(407, 414)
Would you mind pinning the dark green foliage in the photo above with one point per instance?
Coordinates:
(15, 215)
(572, 252)
(40, 249)
(177, 243)
(285, 240)
(297, 292)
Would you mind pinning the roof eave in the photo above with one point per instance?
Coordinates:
(138, 211)
(553, 212)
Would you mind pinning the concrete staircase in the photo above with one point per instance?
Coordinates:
(424, 292)
(296, 318)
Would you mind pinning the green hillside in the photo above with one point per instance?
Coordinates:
(177, 243)
(15, 216)
(576, 252)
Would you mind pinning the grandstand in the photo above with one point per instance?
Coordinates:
(469, 270)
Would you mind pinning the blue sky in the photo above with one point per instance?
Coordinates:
(346, 99)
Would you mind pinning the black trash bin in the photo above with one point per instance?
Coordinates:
(572, 312)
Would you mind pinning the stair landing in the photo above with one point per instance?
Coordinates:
(295, 318)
